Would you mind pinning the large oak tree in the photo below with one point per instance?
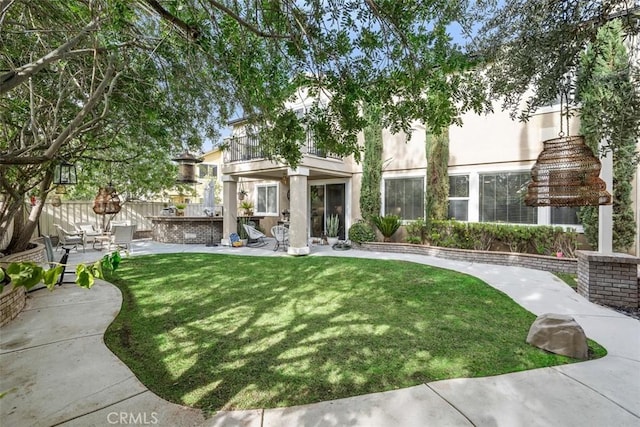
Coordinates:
(108, 82)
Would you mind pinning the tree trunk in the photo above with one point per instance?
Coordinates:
(24, 225)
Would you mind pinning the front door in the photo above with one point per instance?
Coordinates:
(326, 200)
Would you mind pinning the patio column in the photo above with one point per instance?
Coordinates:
(605, 213)
(230, 203)
(298, 222)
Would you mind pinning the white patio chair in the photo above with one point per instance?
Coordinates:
(70, 239)
(281, 234)
(90, 232)
(122, 236)
(256, 237)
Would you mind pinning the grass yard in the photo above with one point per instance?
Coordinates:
(235, 332)
(569, 279)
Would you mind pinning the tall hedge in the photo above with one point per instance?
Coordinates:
(437, 196)
(611, 112)
(370, 197)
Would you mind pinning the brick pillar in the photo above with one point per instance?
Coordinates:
(609, 279)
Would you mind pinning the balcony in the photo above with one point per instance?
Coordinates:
(246, 148)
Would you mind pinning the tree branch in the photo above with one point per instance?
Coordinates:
(88, 107)
(13, 78)
(255, 30)
(192, 32)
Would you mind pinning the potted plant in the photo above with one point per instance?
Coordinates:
(333, 228)
(180, 209)
(242, 194)
(247, 207)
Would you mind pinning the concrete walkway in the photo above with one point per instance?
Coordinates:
(56, 370)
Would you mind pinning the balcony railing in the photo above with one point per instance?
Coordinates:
(244, 148)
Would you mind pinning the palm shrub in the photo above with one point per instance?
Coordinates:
(387, 225)
(361, 231)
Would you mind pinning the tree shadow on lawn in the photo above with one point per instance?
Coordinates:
(265, 332)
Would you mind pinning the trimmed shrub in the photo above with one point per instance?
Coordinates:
(416, 231)
(535, 239)
(361, 232)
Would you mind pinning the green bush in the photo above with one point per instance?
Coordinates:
(416, 231)
(361, 232)
(387, 225)
(542, 240)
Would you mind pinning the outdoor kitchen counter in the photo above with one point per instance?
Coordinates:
(189, 229)
(186, 229)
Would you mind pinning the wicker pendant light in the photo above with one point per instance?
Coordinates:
(566, 173)
(107, 201)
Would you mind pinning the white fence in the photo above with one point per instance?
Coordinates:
(72, 212)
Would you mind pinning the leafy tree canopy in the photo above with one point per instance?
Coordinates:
(126, 80)
(531, 45)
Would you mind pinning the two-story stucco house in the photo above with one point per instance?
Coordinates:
(490, 158)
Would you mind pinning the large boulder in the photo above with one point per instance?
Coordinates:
(559, 334)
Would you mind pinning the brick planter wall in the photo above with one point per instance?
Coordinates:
(12, 301)
(538, 262)
(608, 279)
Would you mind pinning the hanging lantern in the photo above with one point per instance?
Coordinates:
(566, 173)
(187, 168)
(65, 174)
(56, 201)
(107, 201)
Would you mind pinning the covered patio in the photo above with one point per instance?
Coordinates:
(294, 195)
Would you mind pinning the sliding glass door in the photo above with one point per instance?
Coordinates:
(326, 200)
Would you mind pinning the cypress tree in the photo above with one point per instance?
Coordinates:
(370, 197)
(611, 112)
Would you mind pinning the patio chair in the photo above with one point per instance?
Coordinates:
(281, 234)
(69, 239)
(48, 246)
(90, 232)
(256, 237)
(122, 236)
(116, 223)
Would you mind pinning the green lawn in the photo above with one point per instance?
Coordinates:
(569, 279)
(234, 332)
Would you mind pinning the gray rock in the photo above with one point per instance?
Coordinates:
(559, 334)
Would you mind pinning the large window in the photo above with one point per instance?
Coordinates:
(459, 197)
(502, 198)
(267, 199)
(564, 216)
(404, 197)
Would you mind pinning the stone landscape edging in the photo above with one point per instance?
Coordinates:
(512, 259)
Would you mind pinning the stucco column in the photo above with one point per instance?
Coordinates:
(230, 202)
(605, 213)
(298, 222)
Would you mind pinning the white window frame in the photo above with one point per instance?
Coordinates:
(267, 185)
(468, 198)
(544, 213)
(383, 184)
